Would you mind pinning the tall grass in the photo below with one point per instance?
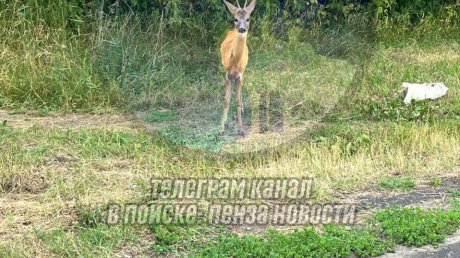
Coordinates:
(152, 64)
(44, 64)
(65, 55)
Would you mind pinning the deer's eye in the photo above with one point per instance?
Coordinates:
(236, 20)
(247, 20)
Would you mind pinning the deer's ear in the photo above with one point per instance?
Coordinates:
(233, 9)
(251, 7)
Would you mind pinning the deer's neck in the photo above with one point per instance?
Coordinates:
(239, 46)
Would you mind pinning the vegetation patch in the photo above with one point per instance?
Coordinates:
(407, 226)
(176, 239)
(161, 116)
(414, 226)
(436, 182)
(397, 183)
(333, 242)
(98, 241)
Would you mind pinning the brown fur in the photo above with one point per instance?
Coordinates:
(234, 53)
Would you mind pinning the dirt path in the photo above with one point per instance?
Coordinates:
(425, 196)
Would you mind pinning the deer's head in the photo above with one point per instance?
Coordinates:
(241, 15)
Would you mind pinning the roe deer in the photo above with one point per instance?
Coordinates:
(234, 53)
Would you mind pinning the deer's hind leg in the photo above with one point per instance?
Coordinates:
(228, 96)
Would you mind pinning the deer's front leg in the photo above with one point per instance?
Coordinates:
(239, 107)
(228, 95)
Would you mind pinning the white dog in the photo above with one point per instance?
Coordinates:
(423, 91)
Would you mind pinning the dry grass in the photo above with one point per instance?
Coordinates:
(90, 166)
(50, 163)
(415, 150)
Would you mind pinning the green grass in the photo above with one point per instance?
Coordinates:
(407, 226)
(164, 116)
(454, 193)
(175, 82)
(333, 242)
(397, 183)
(379, 95)
(100, 166)
(46, 66)
(436, 182)
(86, 152)
(414, 226)
(8, 252)
(82, 149)
(100, 241)
(174, 239)
(291, 78)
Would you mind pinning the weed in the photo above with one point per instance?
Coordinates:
(436, 182)
(161, 117)
(414, 226)
(98, 241)
(334, 242)
(397, 183)
(170, 238)
(88, 217)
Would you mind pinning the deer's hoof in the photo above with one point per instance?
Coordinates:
(241, 133)
(220, 133)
